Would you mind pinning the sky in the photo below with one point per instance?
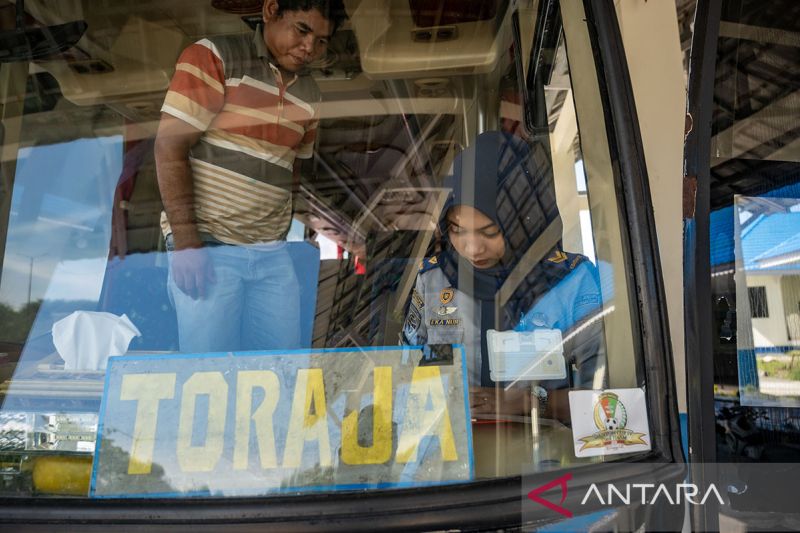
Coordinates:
(60, 223)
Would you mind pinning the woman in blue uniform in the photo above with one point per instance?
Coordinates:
(500, 266)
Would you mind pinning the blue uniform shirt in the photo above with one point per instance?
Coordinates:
(441, 314)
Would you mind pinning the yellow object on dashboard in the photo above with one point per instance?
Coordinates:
(65, 475)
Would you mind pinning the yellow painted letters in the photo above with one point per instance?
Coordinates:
(147, 390)
(304, 426)
(246, 382)
(202, 458)
(381, 449)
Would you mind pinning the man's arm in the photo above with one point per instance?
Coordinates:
(173, 142)
(191, 268)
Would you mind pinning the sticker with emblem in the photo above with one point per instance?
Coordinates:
(445, 322)
(446, 296)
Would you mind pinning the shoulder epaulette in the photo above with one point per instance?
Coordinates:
(575, 260)
(428, 263)
(560, 257)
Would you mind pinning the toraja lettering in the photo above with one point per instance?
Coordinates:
(254, 423)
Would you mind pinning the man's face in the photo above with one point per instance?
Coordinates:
(295, 38)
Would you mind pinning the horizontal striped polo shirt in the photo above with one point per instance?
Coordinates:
(255, 124)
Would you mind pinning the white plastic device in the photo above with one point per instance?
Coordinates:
(526, 355)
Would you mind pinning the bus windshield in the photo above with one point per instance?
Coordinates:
(254, 248)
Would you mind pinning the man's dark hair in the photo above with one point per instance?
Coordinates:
(332, 10)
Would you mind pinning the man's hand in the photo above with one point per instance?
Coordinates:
(192, 271)
(498, 401)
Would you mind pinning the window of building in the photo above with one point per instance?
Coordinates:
(758, 302)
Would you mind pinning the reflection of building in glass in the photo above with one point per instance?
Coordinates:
(771, 250)
(768, 258)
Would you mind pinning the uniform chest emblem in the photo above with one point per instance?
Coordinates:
(446, 310)
(446, 296)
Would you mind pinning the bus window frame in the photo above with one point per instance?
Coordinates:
(697, 260)
(636, 214)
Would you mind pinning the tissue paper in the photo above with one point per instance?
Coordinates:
(86, 339)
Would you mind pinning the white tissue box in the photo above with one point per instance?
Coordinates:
(86, 339)
(526, 355)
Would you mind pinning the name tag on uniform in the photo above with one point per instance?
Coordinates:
(526, 355)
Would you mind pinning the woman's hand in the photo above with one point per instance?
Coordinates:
(497, 401)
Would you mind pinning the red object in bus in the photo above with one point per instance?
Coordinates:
(360, 268)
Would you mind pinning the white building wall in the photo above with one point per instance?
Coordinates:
(770, 331)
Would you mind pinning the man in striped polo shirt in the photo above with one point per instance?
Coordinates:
(239, 114)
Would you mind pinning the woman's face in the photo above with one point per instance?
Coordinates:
(475, 236)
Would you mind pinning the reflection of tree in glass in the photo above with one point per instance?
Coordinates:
(317, 475)
(16, 323)
(114, 477)
(31, 325)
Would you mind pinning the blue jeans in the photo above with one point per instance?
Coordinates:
(253, 304)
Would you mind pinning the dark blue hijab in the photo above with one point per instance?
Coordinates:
(511, 182)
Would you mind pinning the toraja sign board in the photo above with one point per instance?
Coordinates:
(261, 422)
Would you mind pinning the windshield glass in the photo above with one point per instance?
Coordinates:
(250, 248)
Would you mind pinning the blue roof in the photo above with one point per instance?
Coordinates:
(721, 227)
(766, 237)
(771, 236)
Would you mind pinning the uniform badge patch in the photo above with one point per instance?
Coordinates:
(413, 321)
(588, 299)
(557, 257)
(446, 296)
(416, 299)
(445, 321)
(446, 310)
